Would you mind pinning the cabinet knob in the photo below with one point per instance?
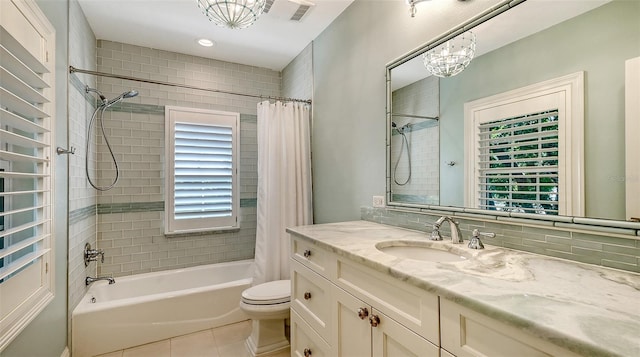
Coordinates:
(307, 352)
(363, 313)
(307, 253)
(307, 295)
(374, 320)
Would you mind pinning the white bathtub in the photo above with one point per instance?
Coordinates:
(149, 307)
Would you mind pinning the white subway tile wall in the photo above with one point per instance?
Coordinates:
(418, 98)
(130, 216)
(82, 198)
(297, 77)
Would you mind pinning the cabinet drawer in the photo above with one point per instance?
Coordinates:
(304, 338)
(311, 297)
(314, 258)
(468, 333)
(414, 308)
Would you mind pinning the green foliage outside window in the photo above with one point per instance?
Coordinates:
(531, 145)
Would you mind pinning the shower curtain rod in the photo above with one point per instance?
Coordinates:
(72, 69)
(414, 116)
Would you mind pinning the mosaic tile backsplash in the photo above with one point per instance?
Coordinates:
(609, 247)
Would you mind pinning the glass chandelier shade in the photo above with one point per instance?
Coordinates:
(452, 57)
(412, 6)
(233, 14)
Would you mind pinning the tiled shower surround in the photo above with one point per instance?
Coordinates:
(579, 239)
(419, 181)
(129, 218)
(82, 198)
(297, 77)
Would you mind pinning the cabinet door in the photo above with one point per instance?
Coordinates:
(444, 353)
(466, 333)
(391, 339)
(352, 334)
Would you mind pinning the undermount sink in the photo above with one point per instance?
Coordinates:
(417, 250)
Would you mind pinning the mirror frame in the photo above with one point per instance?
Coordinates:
(453, 210)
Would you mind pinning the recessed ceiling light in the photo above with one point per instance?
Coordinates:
(206, 43)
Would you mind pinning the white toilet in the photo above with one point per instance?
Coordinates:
(267, 305)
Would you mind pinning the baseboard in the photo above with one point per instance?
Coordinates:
(66, 352)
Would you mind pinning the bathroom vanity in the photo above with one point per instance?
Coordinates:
(353, 296)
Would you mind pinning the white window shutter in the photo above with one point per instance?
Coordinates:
(203, 183)
(27, 45)
(202, 176)
(518, 164)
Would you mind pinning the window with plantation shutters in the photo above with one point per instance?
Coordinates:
(202, 176)
(518, 164)
(26, 111)
(524, 149)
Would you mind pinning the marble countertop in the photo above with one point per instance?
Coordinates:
(587, 309)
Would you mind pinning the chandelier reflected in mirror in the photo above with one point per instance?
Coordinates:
(412, 6)
(451, 57)
(233, 14)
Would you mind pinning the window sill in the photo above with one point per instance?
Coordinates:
(205, 232)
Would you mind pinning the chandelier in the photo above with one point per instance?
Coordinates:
(452, 57)
(233, 14)
(412, 6)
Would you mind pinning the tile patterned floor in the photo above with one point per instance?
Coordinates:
(225, 341)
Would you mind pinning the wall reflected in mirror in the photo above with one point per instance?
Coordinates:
(531, 43)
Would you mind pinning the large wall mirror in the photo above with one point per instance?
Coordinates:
(440, 130)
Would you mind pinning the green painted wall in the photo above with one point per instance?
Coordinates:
(349, 124)
(598, 42)
(46, 335)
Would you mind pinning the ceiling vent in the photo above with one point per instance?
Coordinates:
(302, 10)
(267, 6)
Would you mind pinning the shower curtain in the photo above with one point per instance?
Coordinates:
(284, 184)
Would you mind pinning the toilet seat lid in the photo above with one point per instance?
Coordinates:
(273, 292)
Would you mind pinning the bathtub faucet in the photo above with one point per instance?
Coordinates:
(88, 280)
(91, 255)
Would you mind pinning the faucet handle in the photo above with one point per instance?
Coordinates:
(475, 242)
(435, 233)
(477, 233)
(91, 255)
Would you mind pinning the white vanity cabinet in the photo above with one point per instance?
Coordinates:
(334, 300)
(448, 310)
(466, 333)
(311, 296)
(362, 330)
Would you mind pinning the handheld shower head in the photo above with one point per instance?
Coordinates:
(125, 95)
(129, 94)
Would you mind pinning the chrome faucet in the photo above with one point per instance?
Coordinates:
(91, 255)
(456, 234)
(475, 242)
(88, 280)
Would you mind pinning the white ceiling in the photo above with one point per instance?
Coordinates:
(176, 25)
